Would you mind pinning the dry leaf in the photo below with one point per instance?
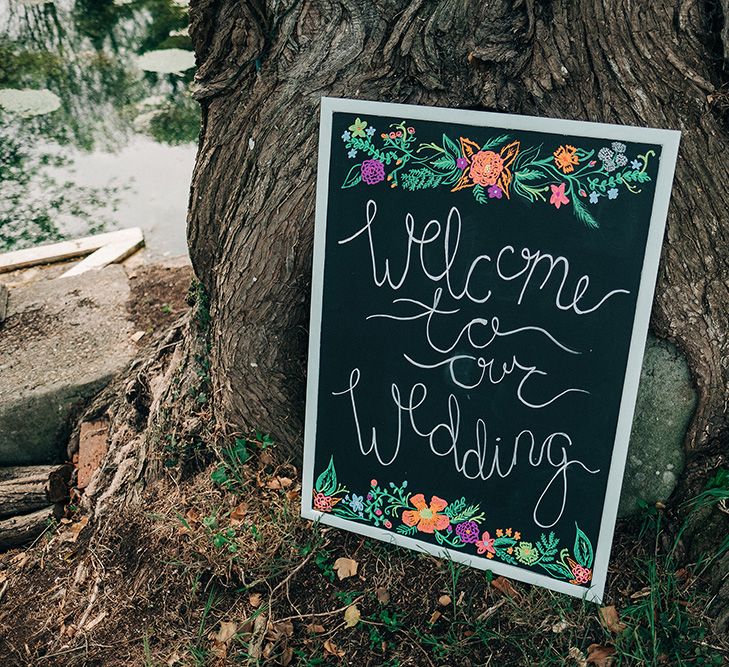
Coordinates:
(444, 600)
(642, 593)
(283, 629)
(74, 530)
(560, 626)
(599, 655)
(255, 600)
(315, 628)
(578, 656)
(610, 618)
(19, 560)
(287, 656)
(278, 483)
(345, 567)
(434, 617)
(351, 616)
(503, 585)
(227, 632)
(332, 649)
(383, 597)
(238, 514)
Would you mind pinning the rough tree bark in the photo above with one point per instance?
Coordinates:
(263, 66)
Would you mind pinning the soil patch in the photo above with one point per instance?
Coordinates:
(158, 296)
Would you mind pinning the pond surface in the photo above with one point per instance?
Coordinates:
(98, 128)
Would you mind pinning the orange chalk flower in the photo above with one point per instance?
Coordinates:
(565, 157)
(486, 168)
(426, 517)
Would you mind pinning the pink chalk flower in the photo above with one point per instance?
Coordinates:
(558, 195)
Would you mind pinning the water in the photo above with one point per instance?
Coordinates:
(98, 128)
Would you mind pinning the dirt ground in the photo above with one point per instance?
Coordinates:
(158, 295)
(214, 566)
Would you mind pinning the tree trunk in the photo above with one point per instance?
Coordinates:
(263, 67)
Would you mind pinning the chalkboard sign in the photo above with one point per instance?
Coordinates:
(482, 285)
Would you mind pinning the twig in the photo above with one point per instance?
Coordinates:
(320, 614)
(293, 572)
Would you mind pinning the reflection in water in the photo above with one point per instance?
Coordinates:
(88, 53)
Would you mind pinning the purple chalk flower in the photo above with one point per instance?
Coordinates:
(468, 531)
(373, 172)
(495, 192)
(461, 163)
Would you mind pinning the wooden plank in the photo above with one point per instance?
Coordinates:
(25, 489)
(56, 252)
(23, 529)
(109, 254)
(22, 496)
(17, 472)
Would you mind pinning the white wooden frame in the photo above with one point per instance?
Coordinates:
(668, 140)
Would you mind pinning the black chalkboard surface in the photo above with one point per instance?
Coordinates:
(481, 291)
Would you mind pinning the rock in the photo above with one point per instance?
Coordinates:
(665, 405)
(62, 342)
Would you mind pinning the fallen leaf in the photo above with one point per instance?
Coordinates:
(578, 656)
(287, 656)
(383, 596)
(255, 600)
(599, 655)
(351, 616)
(642, 593)
(560, 626)
(284, 629)
(345, 567)
(226, 632)
(444, 600)
(315, 628)
(610, 618)
(332, 649)
(503, 585)
(19, 560)
(238, 514)
(434, 617)
(278, 483)
(74, 530)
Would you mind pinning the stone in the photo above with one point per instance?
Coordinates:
(62, 342)
(666, 402)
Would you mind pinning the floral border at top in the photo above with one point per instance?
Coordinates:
(458, 524)
(497, 168)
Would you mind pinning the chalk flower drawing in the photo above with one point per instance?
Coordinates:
(457, 524)
(496, 169)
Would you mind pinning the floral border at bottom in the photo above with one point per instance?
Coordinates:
(457, 524)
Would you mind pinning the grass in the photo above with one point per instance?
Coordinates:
(289, 564)
(225, 545)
